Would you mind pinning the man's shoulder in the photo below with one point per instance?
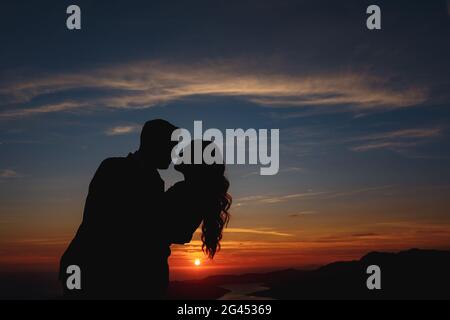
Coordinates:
(114, 166)
(114, 162)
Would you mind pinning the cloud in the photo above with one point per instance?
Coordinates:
(121, 130)
(57, 241)
(8, 174)
(396, 140)
(257, 231)
(264, 199)
(406, 133)
(252, 198)
(290, 197)
(358, 191)
(268, 199)
(260, 231)
(56, 107)
(383, 145)
(149, 83)
(284, 170)
(301, 213)
(365, 235)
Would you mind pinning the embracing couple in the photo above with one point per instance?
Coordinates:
(129, 222)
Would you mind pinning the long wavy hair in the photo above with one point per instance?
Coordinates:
(216, 215)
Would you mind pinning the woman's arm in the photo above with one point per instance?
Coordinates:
(182, 218)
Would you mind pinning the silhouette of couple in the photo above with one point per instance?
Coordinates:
(129, 222)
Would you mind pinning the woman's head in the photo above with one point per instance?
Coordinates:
(211, 180)
(199, 169)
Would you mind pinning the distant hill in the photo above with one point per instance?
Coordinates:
(412, 274)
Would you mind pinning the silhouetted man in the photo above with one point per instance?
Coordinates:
(120, 246)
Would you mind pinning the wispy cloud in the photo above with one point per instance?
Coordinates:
(358, 191)
(365, 235)
(272, 199)
(283, 170)
(56, 241)
(47, 108)
(8, 174)
(257, 231)
(150, 83)
(404, 134)
(302, 213)
(260, 231)
(383, 145)
(121, 130)
(290, 197)
(277, 199)
(395, 140)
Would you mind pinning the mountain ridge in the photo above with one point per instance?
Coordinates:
(410, 274)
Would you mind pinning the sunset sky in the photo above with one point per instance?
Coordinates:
(363, 117)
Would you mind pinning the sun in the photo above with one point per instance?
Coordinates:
(197, 262)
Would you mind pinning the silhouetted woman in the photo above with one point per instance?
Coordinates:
(201, 199)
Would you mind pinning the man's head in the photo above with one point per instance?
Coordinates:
(156, 144)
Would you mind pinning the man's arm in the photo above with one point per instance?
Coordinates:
(101, 199)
